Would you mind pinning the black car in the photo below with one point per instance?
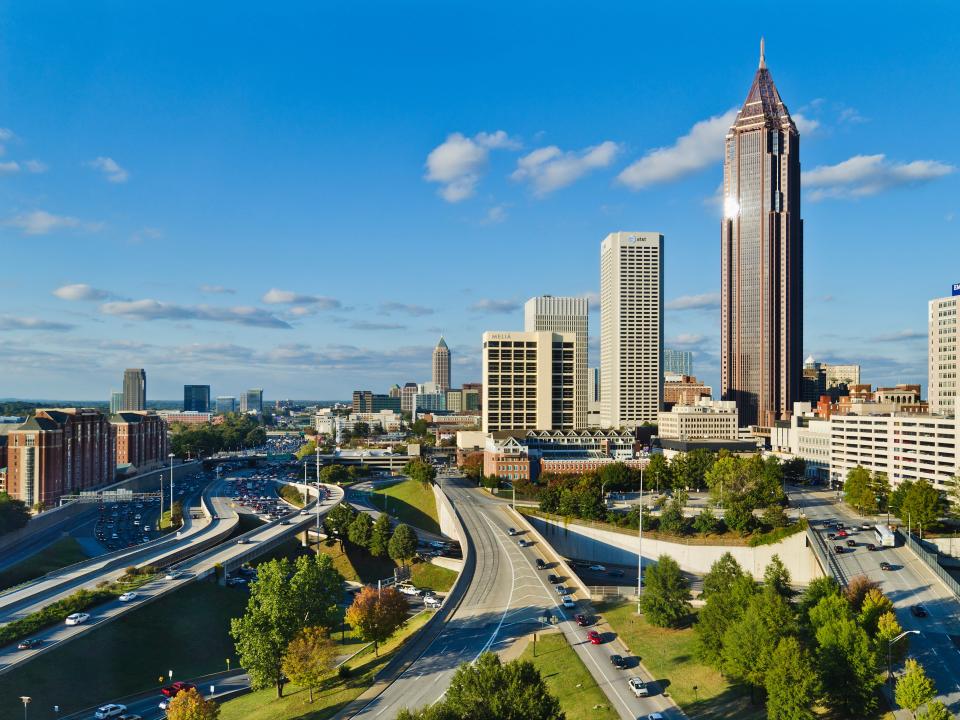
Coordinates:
(552, 579)
(831, 536)
(618, 662)
(918, 611)
(871, 547)
(582, 620)
(28, 644)
(540, 564)
(886, 566)
(839, 549)
(851, 543)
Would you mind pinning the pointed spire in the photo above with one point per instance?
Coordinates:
(763, 60)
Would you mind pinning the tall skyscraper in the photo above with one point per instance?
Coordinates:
(631, 329)
(196, 398)
(252, 401)
(677, 362)
(116, 402)
(761, 258)
(942, 354)
(226, 404)
(529, 382)
(134, 389)
(441, 366)
(564, 315)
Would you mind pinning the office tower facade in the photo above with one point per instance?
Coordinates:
(441, 366)
(116, 402)
(252, 401)
(226, 404)
(407, 393)
(631, 329)
(838, 376)
(362, 401)
(134, 389)
(761, 258)
(529, 381)
(564, 315)
(677, 362)
(196, 398)
(472, 397)
(942, 354)
(395, 391)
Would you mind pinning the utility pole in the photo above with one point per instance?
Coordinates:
(640, 544)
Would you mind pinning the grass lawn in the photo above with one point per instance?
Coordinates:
(358, 565)
(411, 502)
(264, 704)
(568, 679)
(432, 577)
(185, 632)
(63, 552)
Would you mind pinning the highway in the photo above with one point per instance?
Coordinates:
(909, 582)
(504, 601)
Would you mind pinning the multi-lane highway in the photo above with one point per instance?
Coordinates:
(505, 600)
(909, 583)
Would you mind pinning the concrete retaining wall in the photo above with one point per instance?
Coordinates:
(593, 544)
(449, 525)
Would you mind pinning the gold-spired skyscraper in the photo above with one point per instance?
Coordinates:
(441, 366)
(761, 258)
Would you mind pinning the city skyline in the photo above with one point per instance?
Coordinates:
(127, 196)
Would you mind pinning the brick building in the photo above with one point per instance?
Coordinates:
(141, 439)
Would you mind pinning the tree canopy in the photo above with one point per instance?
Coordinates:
(377, 614)
(666, 593)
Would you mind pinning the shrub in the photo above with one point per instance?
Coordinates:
(343, 672)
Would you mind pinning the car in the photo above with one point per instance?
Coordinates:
(842, 534)
(177, 687)
(432, 601)
(173, 574)
(561, 590)
(243, 541)
(553, 579)
(839, 549)
(655, 716)
(918, 611)
(28, 644)
(597, 568)
(511, 531)
(582, 620)
(618, 662)
(831, 536)
(540, 564)
(871, 547)
(886, 566)
(523, 543)
(111, 710)
(128, 596)
(568, 602)
(594, 637)
(236, 581)
(865, 526)
(77, 618)
(409, 590)
(851, 543)
(639, 687)
(284, 522)
(437, 544)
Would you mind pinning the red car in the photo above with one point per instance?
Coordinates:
(842, 534)
(177, 687)
(594, 637)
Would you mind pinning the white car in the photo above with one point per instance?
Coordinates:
(568, 602)
(173, 574)
(639, 687)
(597, 568)
(409, 590)
(654, 716)
(128, 596)
(77, 618)
(111, 710)
(432, 601)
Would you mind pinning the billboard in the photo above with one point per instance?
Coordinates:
(956, 288)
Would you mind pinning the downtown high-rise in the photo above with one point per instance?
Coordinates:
(134, 389)
(942, 353)
(761, 258)
(441, 366)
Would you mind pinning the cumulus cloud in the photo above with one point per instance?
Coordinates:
(388, 308)
(81, 291)
(864, 175)
(35, 166)
(287, 297)
(10, 322)
(699, 148)
(900, 336)
(495, 215)
(550, 168)
(502, 307)
(41, 222)
(110, 169)
(9, 168)
(459, 161)
(149, 309)
(805, 125)
(705, 301)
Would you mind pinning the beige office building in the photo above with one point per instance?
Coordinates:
(707, 420)
(942, 355)
(529, 381)
(631, 329)
(564, 315)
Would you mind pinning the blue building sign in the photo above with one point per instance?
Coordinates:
(956, 288)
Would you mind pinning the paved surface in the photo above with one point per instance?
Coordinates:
(505, 599)
(909, 583)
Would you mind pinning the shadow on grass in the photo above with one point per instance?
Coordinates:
(405, 512)
(731, 703)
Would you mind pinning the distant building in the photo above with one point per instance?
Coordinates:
(395, 391)
(252, 401)
(196, 398)
(820, 379)
(226, 404)
(59, 452)
(841, 376)
(364, 401)
(805, 435)
(441, 366)
(677, 362)
(525, 455)
(593, 397)
(684, 390)
(134, 389)
(141, 439)
(185, 417)
(864, 400)
(942, 354)
(472, 397)
(116, 402)
(430, 402)
(454, 400)
(707, 420)
(407, 394)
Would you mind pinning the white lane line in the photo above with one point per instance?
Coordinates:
(513, 584)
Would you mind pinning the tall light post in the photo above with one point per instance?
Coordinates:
(171, 490)
(318, 494)
(25, 699)
(890, 651)
(640, 545)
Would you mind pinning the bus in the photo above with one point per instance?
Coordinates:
(885, 536)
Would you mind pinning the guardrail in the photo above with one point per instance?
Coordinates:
(931, 560)
(828, 563)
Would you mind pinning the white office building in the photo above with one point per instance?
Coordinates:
(942, 355)
(707, 420)
(804, 436)
(631, 329)
(565, 315)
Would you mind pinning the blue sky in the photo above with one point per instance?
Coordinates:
(304, 196)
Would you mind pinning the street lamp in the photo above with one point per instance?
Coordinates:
(890, 651)
(640, 545)
(318, 497)
(25, 699)
(171, 490)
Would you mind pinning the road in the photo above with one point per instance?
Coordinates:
(909, 583)
(504, 601)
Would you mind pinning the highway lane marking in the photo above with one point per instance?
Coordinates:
(513, 583)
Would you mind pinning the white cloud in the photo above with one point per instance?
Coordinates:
(35, 166)
(686, 341)
(458, 162)
(146, 233)
(149, 309)
(81, 291)
(550, 168)
(217, 290)
(699, 148)
(864, 175)
(388, 308)
(901, 336)
(10, 322)
(495, 215)
(110, 168)
(805, 125)
(41, 222)
(9, 168)
(288, 297)
(488, 305)
(705, 301)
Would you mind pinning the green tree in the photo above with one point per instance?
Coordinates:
(420, 470)
(857, 493)
(361, 530)
(310, 657)
(749, 643)
(334, 474)
(658, 472)
(777, 577)
(380, 537)
(721, 576)
(880, 489)
(935, 711)
(725, 604)
(889, 628)
(666, 594)
(875, 605)
(897, 496)
(615, 476)
(488, 689)
(726, 480)
(794, 470)
(791, 682)
(818, 589)
(191, 705)
(913, 687)
(338, 521)
(403, 543)
(14, 514)
(317, 587)
(671, 519)
(738, 517)
(377, 614)
(921, 505)
(306, 450)
(847, 661)
(706, 523)
(774, 517)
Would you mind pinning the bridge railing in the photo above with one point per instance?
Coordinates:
(931, 560)
(828, 563)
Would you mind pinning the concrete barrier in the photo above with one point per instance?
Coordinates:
(449, 526)
(548, 549)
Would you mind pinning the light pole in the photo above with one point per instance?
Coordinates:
(640, 545)
(890, 651)
(171, 489)
(318, 496)
(25, 699)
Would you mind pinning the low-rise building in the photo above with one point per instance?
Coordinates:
(515, 455)
(707, 420)
(141, 438)
(185, 417)
(684, 390)
(805, 436)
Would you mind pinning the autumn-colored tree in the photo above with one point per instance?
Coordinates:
(310, 657)
(377, 614)
(191, 705)
(857, 589)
